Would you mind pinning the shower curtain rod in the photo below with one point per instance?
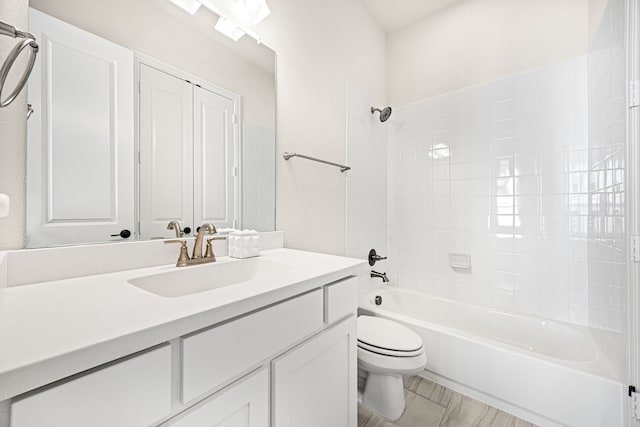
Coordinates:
(343, 168)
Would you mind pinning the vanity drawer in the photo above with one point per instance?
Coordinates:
(341, 299)
(134, 392)
(215, 356)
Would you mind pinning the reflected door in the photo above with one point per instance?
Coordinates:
(188, 155)
(80, 146)
(215, 174)
(166, 152)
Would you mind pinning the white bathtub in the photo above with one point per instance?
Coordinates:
(550, 373)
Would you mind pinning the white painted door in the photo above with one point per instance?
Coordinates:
(243, 404)
(166, 152)
(314, 385)
(215, 183)
(80, 145)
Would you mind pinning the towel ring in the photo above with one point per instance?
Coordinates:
(28, 41)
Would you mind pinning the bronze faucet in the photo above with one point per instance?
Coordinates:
(196, 257)
(197, 247)
(174, 225)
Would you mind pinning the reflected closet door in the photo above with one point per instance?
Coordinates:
(215, 152)
(80, 145)
(166, 152)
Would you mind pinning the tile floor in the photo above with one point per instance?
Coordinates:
(432, 405)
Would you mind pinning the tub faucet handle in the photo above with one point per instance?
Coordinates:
(374, 257)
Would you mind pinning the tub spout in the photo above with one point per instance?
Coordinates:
(382, 276)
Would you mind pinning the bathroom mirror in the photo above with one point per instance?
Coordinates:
(145, 114)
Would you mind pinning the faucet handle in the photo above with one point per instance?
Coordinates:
(183, 257)
(175, 241)
(374, 257)
(209, 251)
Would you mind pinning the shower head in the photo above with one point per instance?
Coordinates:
(385, 113)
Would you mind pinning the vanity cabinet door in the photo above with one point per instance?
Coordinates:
(314, 385)
(80, 145)
(243, 404)
(166, 152)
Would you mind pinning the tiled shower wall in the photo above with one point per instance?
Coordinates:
(607, 291)
(498, 172)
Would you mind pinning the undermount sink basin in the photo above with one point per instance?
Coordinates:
(202, 278)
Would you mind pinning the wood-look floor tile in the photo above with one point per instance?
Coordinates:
(523, 423)
(463, 411)
(421, 412)
(435, 392)
(410, 383)
(496, 418)
(432, 405)
(376, 421)
(363, 416)
(408, 397)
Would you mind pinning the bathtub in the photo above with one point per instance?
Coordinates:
(547, 372)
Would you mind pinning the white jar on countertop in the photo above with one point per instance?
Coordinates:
(244, 244)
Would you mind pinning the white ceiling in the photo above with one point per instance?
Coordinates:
(393, 15)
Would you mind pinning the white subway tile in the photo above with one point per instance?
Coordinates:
(506, 172)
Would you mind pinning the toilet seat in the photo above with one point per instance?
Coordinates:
(382, 364)
(387, 338)
(389, 352)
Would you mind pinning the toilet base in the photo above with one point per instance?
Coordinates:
(384, 395)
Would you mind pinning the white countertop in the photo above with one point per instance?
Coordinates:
(51, 330)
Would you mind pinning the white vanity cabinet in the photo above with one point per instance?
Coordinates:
(315, 383)
(212, 357)
(130, 393)
(288, 364)
(243, 404)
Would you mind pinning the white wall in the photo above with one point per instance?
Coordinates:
(367, 180)
(596, 12)
(13, 141)
(481, 40)
(319, 46)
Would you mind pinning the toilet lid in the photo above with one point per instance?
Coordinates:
(386, 336)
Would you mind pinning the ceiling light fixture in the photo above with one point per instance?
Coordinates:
(189, 6)
(251, 11)
(229, 29)
(237, 17)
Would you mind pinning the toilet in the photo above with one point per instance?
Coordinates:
(387, 352)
